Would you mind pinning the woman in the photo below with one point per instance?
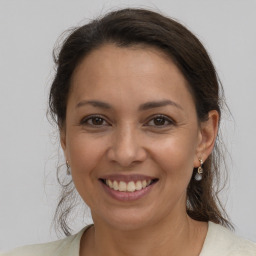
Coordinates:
(138, 106)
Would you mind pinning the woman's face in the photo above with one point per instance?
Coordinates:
(131, 137)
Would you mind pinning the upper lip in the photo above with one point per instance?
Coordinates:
(127, 178)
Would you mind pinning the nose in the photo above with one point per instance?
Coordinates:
(126, 147)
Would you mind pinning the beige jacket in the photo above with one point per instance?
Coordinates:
(219, 242)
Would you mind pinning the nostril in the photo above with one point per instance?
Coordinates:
(127, 157)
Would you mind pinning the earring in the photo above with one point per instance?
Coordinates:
(200, 171)
(68, 168)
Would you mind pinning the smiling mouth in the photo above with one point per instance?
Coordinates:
(130, 186)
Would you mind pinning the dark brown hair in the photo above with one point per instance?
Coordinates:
(129, 27)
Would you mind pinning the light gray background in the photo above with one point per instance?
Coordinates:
(28, 155)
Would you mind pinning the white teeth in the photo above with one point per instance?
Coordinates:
(131, 186)
(115, 185)
(122, 186)
(138, 185)
(110, 183)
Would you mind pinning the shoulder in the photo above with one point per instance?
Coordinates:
(221, 241)
(67, 246)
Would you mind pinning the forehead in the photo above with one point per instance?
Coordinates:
(114, 60)
(141, 72)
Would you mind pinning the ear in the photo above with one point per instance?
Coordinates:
(207, 137)
(63, 140)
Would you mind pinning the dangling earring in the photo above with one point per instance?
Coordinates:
(68, 168)
(200, 171)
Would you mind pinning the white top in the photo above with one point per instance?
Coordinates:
(219, 241)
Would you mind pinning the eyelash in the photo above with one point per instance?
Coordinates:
(86, 120)
(164, 118)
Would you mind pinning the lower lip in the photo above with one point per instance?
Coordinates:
(127, 196)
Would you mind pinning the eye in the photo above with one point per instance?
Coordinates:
(160, 121)
(94, 121)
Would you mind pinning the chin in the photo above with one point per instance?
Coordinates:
(128, 219)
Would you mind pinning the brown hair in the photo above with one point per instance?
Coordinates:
(128, 27)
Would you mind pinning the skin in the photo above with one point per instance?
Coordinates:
(129, 140)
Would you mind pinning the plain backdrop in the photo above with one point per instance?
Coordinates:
(29, 151)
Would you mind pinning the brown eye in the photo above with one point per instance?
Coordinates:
(94, 121)
(97, 121)
(160, 121)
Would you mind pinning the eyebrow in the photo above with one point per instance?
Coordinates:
(94, 103)
(143, 107)
(157, 104)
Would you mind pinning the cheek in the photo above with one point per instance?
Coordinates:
(175, 155)
(85, 154)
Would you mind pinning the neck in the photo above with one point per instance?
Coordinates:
(182, 236)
